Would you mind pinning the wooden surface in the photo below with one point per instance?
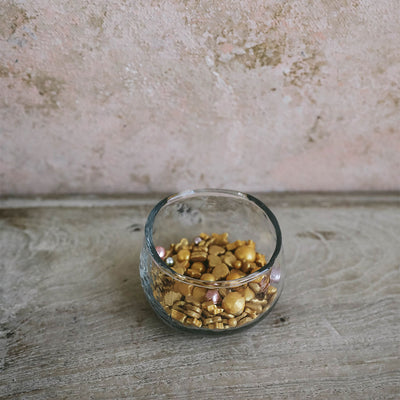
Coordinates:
(75, 323)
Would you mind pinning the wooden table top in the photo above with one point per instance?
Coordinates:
(74, 322)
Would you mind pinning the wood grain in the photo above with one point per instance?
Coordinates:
(75, 323)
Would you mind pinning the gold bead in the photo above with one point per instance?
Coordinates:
(231, 246)
(255, 287)
(232, 322)
(181, 245)
(198, 266)
(260, 259)
(179, 270)
(213, 260)
(183, 255)
(191, 300)
(244, 321)
(220, 271)
(248, 294)
(198, 255)
(271, 290)
(251, 243)
(246, 267)
(233, 303)
(199, 293)
(255, 307)
(221, 240)
(183, 288)
(208, 277)
(229, 259)
(216, 250)
(234, 275)
(193, 273)
(171, 297)
(245, 253)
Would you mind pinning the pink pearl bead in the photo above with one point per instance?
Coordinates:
(161, 251)
(213, 295)
(275, 275)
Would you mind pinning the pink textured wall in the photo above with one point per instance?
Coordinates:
(125, 96)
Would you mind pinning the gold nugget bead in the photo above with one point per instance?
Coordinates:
(216, 250)
(221, 271)
(193, 273)
(183, 288)
(198, 255)
(271, 290)
(191, 300)
(221, 240)
(248, 294)
(246, 267)
(208, 277)
(233, 303)
(245, 253)
(231, 246)
(234, 275)
(254, 306)
(179, 270)
(183, 244)
(183, 255)
(171, 297)
(229, 259)
(260, 259)
(232, 322)
(198, 266)
(213, 260)
(251, 243)
(244, 321)
(199, 293)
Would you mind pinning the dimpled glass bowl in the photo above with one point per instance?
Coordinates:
(186, 215)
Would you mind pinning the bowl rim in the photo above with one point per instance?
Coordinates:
(210, 192)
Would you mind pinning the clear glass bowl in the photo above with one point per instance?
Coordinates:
(182, 301)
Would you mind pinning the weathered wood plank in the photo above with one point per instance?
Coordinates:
(75, 323)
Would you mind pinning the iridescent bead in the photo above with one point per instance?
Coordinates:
(214, 296)
(197, 240)
(169, 261)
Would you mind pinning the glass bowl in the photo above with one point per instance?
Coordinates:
(212, 227)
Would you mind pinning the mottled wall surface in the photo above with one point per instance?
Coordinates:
(125, 96)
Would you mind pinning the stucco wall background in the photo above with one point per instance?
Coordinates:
(137, 96)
